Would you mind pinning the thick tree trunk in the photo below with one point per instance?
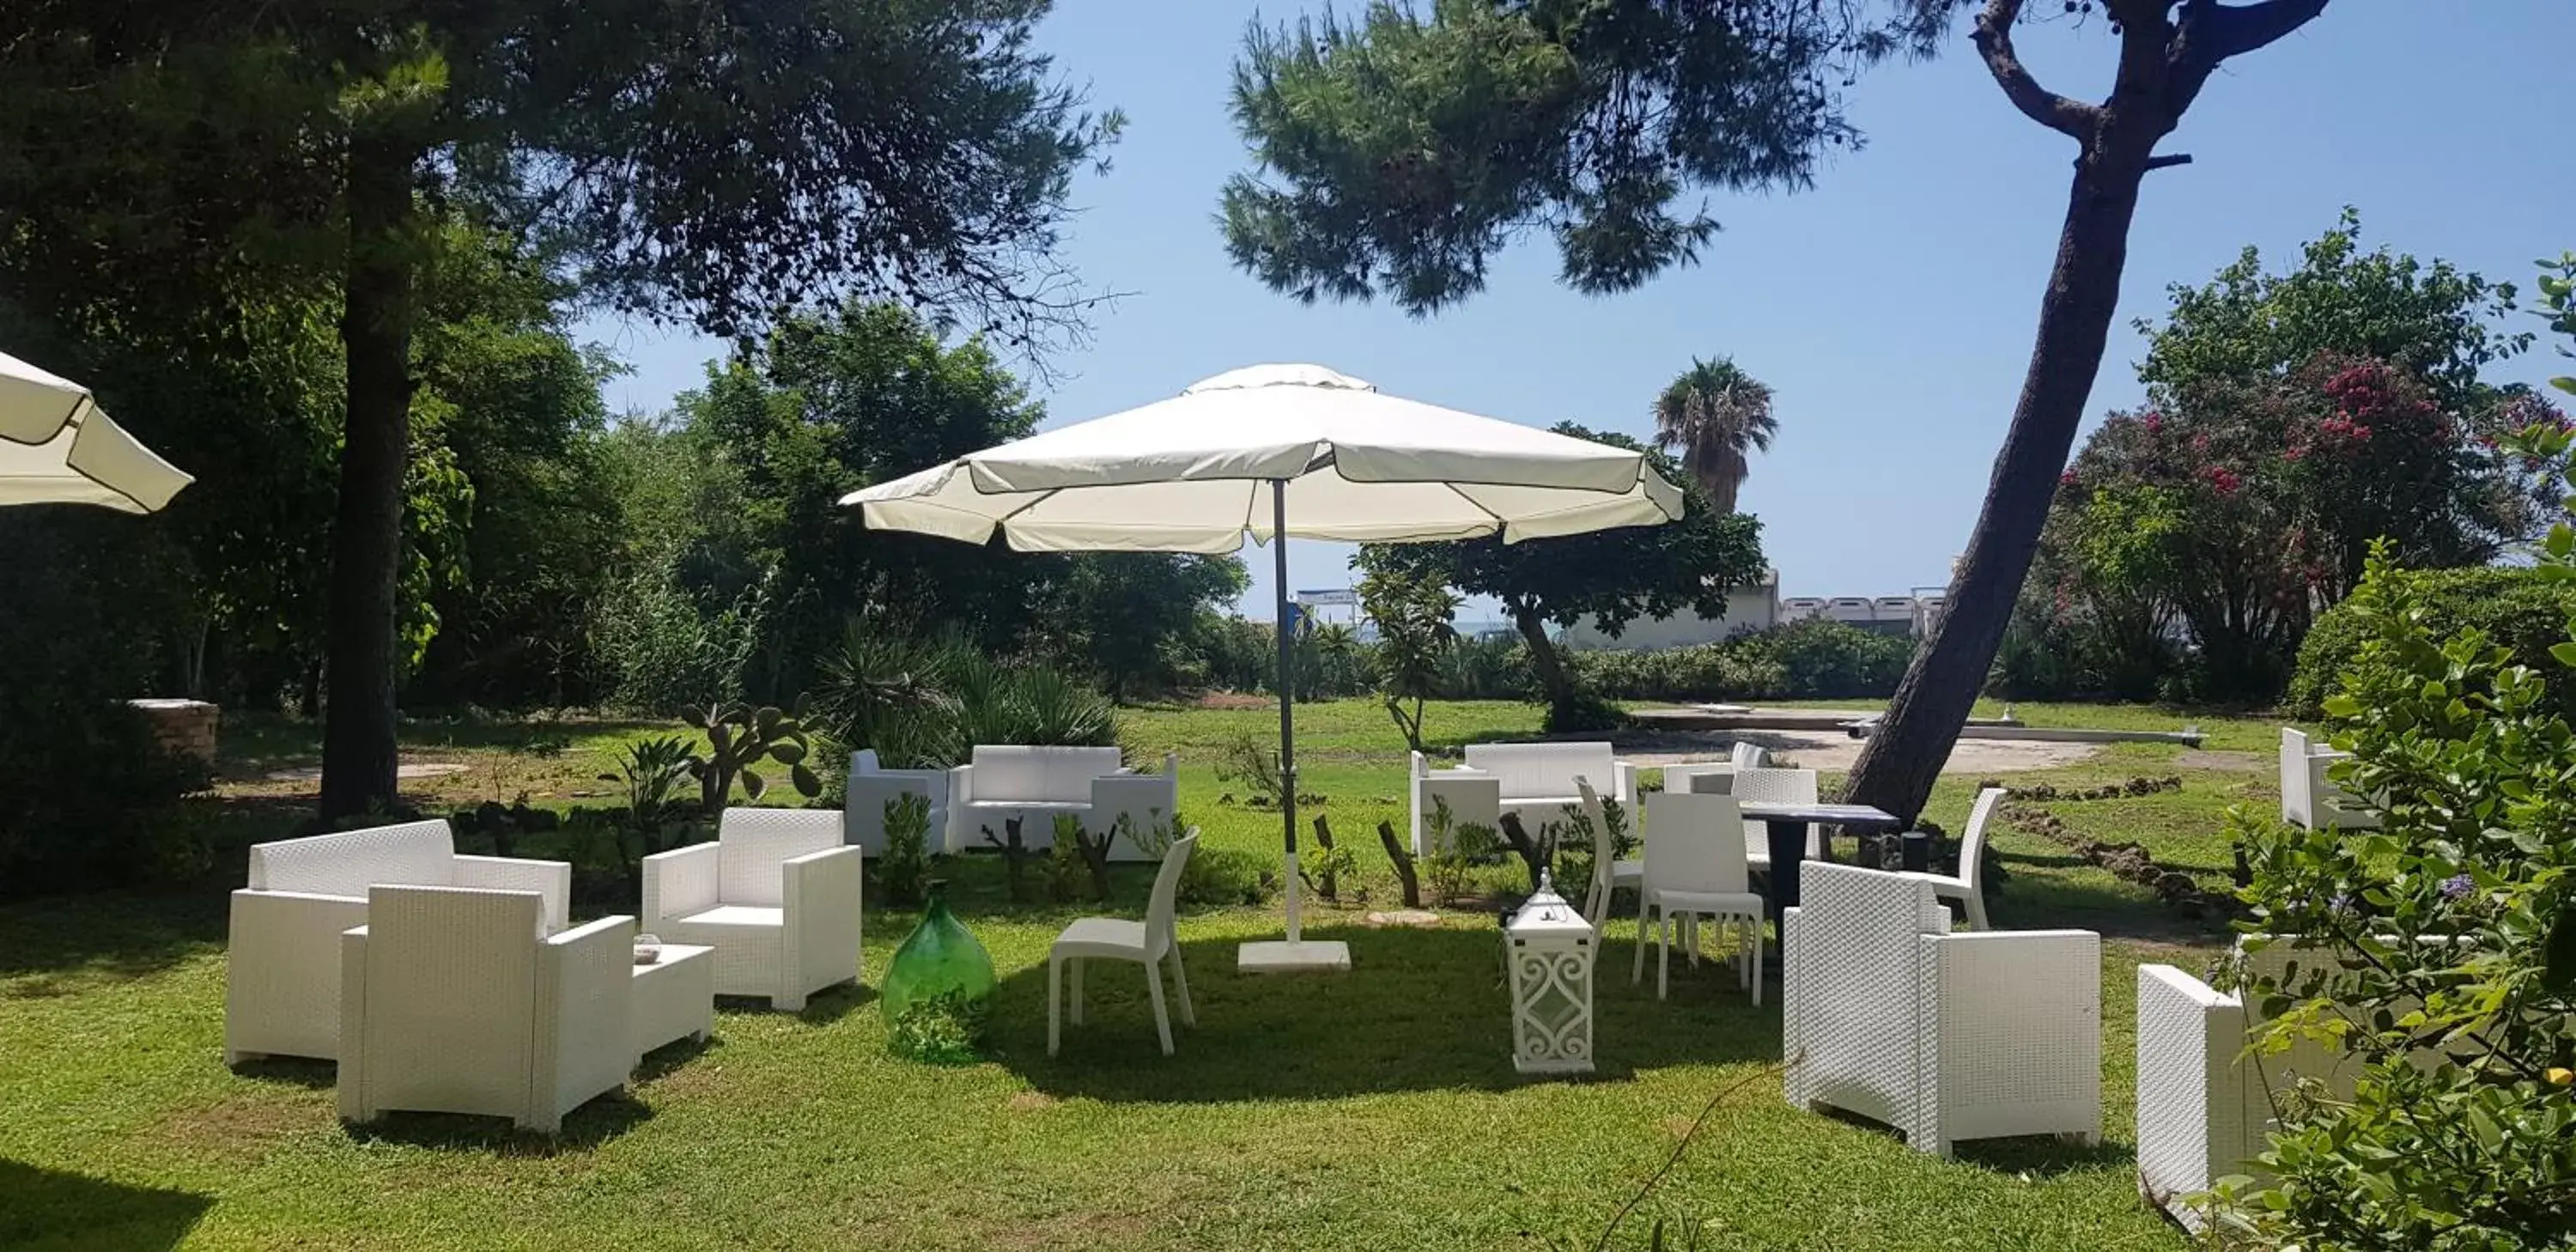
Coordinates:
(366, 533)
(1550, 668)
(1904, 756)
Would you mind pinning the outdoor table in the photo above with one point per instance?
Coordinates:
(1788, 826)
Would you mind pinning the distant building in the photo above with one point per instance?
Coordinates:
(1748, 609)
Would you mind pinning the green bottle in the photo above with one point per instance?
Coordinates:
(938, 993)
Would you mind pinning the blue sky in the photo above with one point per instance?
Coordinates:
(1890, 308)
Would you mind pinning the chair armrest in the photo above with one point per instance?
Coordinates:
(961, 784)
(2017, 1011)
(820, 914)
(585, 1003)
(680, 882)
(351, 953)
(1624, 789)
(551, 880)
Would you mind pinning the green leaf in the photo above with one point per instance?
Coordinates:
(753, 784)
(807, 783)
(2564, 653)
(791, 752)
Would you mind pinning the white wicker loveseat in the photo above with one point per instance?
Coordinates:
(1538, 778)
(776, 895)
(2204, 1102)
(1035, 784)
(282, 958)
(2308, 797)
(1887, 1014)
(454, 1001)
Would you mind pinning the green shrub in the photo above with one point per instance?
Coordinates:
(1220, 877)
(928, 701)
(2521, 610)
(1814, 659)
(904, 867)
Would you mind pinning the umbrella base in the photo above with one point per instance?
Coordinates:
(1305, 956)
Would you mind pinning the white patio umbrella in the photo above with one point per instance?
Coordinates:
(57, 447)
(1338, 460)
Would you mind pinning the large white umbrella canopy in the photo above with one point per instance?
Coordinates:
(58, 447)
(1337, 459)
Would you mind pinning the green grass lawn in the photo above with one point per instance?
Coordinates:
(1373, 1110)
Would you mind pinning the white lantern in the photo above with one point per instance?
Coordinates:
(1550, 949)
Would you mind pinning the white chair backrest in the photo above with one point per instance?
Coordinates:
(1159, 931)
(1972, 844)
(1695, 842)
(1855, 958)
(863, 761)
(350, 861)
(463, 962)
(1776, 786)
(1542, 769)
(1747, 756)
(752, 843)
(1006, 772)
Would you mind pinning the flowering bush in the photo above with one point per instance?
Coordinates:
(2451, 934)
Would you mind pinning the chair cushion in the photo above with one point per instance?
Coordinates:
(1709, 902)
(750, 916)
(1101, 936)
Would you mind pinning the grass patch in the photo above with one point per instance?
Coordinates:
(1371, 1111)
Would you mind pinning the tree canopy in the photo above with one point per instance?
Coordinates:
(1611, 577)
(1398, 154)
(1716, 415)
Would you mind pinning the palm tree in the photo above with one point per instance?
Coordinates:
(1717, 415)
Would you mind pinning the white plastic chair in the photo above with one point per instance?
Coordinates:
(1695, 868)
(1748, 756)
(1966, 885)
(1116, 939)
(776, 895)
(1775, 786)
(1607, 875)
(452, 1000)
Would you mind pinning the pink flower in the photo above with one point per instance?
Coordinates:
(2223, 480)
(2066, 479)
(2155, 421)
(2294, 452)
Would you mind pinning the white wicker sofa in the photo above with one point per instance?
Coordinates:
(1538, 778)
(1035, 784)
(1474, 798)
(282, 958)
(2204, 1103)
(455, 1001)
(776, 895)
(871, 786)
(1888, 1014)
(2310, 799)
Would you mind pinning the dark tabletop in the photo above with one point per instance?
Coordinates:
(1855, 816)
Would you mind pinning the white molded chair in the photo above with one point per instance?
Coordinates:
(776, 895)
(1146, 943)
(1778, 786)
(1748, 756)
(1608, 875)
(1888, 1014)
(1966, 886)
(282, 957)
(1695, 868)
(453, 1000)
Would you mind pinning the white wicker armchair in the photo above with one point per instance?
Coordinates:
(870, 787)
(454, 1001)
(1944, 1036)
(776, 895)
(2204, 1103)
(282, 959)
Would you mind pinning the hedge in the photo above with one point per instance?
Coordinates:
(2515, 607)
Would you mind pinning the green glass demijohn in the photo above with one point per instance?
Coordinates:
(939, 990)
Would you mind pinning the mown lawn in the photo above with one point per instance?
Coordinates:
(1374, 1110)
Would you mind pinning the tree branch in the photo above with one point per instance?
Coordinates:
(1993, 38)
(2213, 32)
(2168, 160)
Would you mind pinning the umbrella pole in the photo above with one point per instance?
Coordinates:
(1287, 699)
(1296, 954)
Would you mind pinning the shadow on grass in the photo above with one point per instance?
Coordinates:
(2108, 906)
(49, 1210)
(2038, 1156)
(1420, 1010)
(289, 1071)
(59, 945)
(584, 1128)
